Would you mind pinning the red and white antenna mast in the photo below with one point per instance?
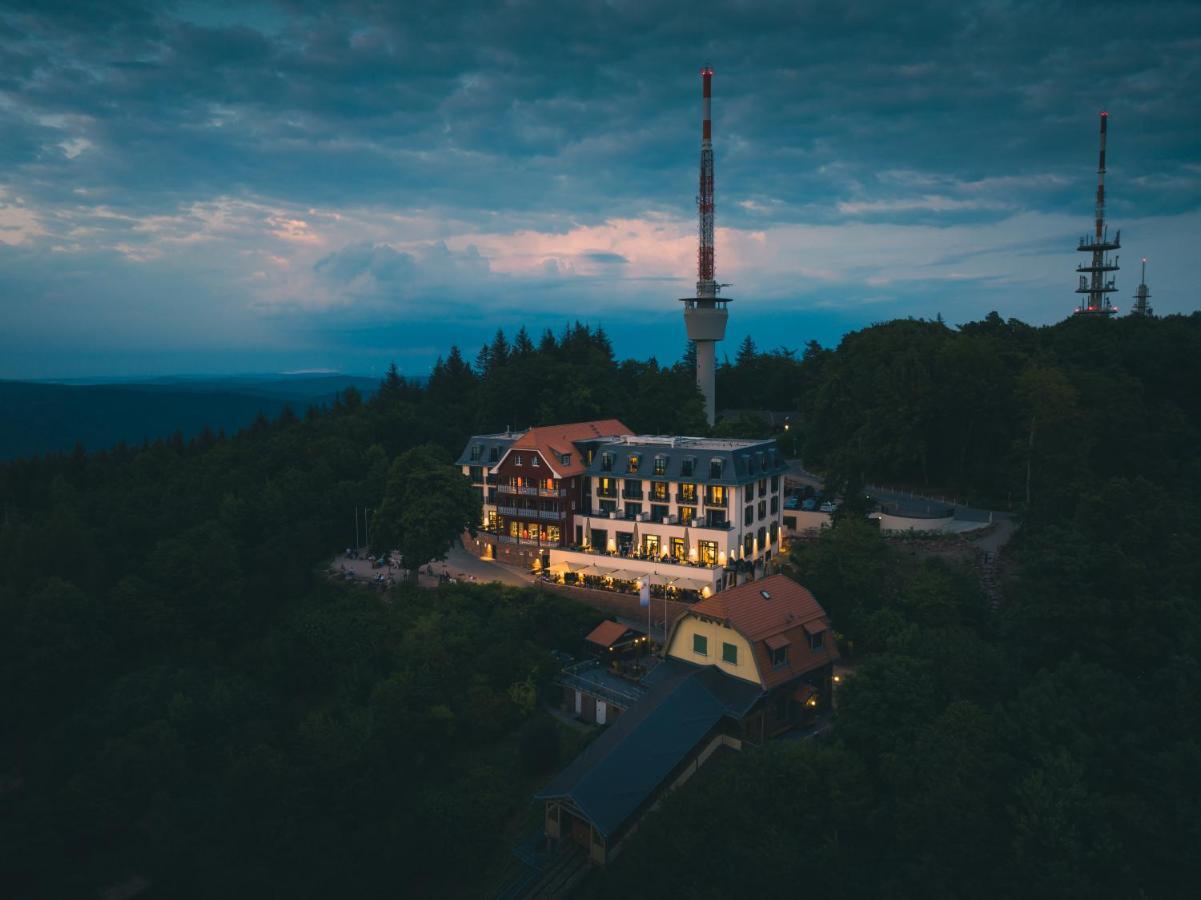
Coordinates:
(706, 281)
(705, 314)
(1095, 280)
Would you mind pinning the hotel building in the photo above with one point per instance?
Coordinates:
(596, 503)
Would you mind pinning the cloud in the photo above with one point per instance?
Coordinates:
(374, 163)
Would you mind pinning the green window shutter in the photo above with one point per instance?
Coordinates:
(729, 653)
(700, 644)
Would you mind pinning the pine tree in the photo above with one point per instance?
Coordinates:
(746, 352)
(498, 353)
(522, 345)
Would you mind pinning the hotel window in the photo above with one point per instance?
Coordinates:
(493, 454)
(729, 653)
(716, 495)
(678, 549)
(659, 490)
(748, 544)
(553, 534)
(775, 532)
(514, 528)
(477, 474)
(700, 645)
(708, 552)
(476, 450)
(548, 484)
(748, 515)
(588, 456)
(633, 509)
(659, 513)
(632, 462)
(565, 459)
(687, 465)
(762, 487)
(762, 508)
(687, 514)
(762, 537)
(660, 465)
(608, 506)
(775, 484)
(687, 492)
(600, 539)
(651, 545)
(606, 462)
(775, 504)
(632, 489)
(606, 487)
(715, 467)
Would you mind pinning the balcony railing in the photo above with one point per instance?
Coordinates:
(509, 510)
(551, 515)
(631, 495)
(552, 492)
(688, 501)
(506, 488)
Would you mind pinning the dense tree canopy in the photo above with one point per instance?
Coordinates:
(186, 700)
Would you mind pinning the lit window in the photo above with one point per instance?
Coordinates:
(632, 463)
(660, 465)
(729, 653)
(700, 645)
(534, 461)
(779, 657)
(517, 460)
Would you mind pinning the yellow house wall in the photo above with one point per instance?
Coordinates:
(681, 647)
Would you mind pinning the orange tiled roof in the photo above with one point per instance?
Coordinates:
(606, 633)
(789, 611)
(552, 441)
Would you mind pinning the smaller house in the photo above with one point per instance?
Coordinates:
(772, 633)
(612, 640)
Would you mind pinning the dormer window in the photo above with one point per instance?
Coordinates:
(476, 451)
(715, 466)
(565, 459)
(632, 462)
(517, 459)
(606, 462)
(660, 465)
(493, 454)
(779, 657)
(687, 465)
(535, 461)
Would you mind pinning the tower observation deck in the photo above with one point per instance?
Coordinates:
(705, 314)
(1095, 281)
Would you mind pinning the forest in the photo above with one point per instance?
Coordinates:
(188, 701)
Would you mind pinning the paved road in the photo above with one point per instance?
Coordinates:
(912, 504)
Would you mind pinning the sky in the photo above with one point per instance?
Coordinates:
(208, 187)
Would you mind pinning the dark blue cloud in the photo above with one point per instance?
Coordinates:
(142, 130)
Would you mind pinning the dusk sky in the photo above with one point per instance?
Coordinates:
(206, 187)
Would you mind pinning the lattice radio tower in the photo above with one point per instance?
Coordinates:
(1095, 280)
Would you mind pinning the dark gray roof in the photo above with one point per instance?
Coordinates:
(620, 771)
(502, 442)
(743, 461)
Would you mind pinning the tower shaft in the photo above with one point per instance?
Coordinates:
(705, 314)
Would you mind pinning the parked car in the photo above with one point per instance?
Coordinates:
(828, 507)
(792, 503)
(809, 505)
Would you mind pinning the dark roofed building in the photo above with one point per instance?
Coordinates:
(686, 715)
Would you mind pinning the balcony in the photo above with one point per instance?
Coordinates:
(552, 492)
(631, 495)
(551, 515)
(509, 510)
(691, 500)
(506, 488)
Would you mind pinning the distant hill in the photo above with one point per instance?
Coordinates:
(40, 417)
